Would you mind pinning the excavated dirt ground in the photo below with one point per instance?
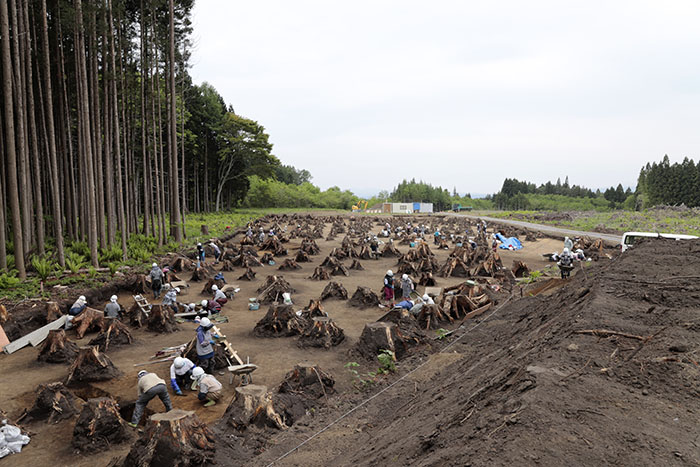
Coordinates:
(418, 419)
(524, 388)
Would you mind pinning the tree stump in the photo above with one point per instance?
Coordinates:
(364, 297)
(302, 257)
(141, 284)
(320, 274)
(99, 426)
(356, 265)
(227, 266)
(161, 319)
(340, 270)
(252, 405)
(322, 333)
(520, 269)
(334, 290)
(52, 312)
(266, 258)
(200, 274)
(366, 253)
(427, 280)
(54, 402)
(330, 262)
(308, 380)
(207, 287)
(136, 316)
(289, 265)
(280, 321)
(390, 251)
(249, 275)
(91, 365)
(407, 268)
(180, 263)
(173, 439)
(314, 308)
(273, 288)
(56, 348)
(431, 316)
(310, 247)
(116, 334)
(382, 336)
(205, 230)
(88, 320)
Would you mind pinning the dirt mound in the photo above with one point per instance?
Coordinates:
(603, 371)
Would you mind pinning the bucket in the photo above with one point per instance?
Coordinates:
(412, 244)
(253, 306)
(459, 244)
(271, 263)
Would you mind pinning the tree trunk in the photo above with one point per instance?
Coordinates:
(53, 160)
(56, 348)
(175, 220)
(99, 426)
(91, 365)
(10, 148)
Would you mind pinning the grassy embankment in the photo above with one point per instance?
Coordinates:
(662, 219)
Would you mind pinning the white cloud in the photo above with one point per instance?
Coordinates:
(459, 94)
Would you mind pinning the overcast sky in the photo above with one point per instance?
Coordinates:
(459, 93)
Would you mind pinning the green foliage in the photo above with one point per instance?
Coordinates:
(534, 275)
(113, 268)
(75, 261)
(442, 333)
(359, 382)
(9, 280)
(44, 266)
(92, 272)
(80, 248)
(111, 254)
(413, 191)
(269, 192)
(387, 360)
(673, 184)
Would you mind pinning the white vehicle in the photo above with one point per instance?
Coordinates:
(630, 238)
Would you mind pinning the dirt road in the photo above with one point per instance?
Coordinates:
(607, 238)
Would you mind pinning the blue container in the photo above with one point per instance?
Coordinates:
(412, 244)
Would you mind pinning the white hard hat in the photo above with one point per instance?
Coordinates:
(426, 297)
(215, 287)
(177, 289)
(404, 277)
(82, 298)
(155, 265)
(142, 373)
(113, 299)
(179, 362)
(199, 244)
(390, 272)
(197, 373)
(205, 323)
(204, 303)
(191, 305)
(566, 250)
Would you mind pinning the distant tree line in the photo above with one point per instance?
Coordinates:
(666, 183)
(422, 192)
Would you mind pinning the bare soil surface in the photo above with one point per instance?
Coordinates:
(603, 371)
(419, 420)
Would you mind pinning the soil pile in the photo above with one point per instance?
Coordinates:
(602, 371)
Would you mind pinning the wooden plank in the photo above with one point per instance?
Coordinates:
(478, 311)
(35, 337)
(435, 291)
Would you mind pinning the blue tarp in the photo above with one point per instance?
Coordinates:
(506, 243)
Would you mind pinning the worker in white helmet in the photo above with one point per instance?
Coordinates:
(77, 308)
(204, 343)
(389, 285)
(150, 386)
(113, 309)
(209, 387)
(406, 286)
(219, 296)
(157, 279)
(180, 372)
(170, 299)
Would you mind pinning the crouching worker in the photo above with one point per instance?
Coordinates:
(113, 309)
(219, 296)
(77, 308)
(209, 387)
(211, 306)
(180, 372)
(150, 386)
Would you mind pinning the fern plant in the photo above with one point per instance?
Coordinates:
(43, 266)
(74, 262)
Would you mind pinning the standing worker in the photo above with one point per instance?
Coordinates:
(568, 244)
(406, 286)
(113, 309)
(389, 285)
(156, 280)
(205, 343)
(217, 252)
(209, 387)
(200, 255)
(180, 372)
(150, 386)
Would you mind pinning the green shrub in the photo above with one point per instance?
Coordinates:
(113, 268)
(79, 248)
(43, 266)
(9, 281)
(111, 254)
(387, 361)
(74, 262)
